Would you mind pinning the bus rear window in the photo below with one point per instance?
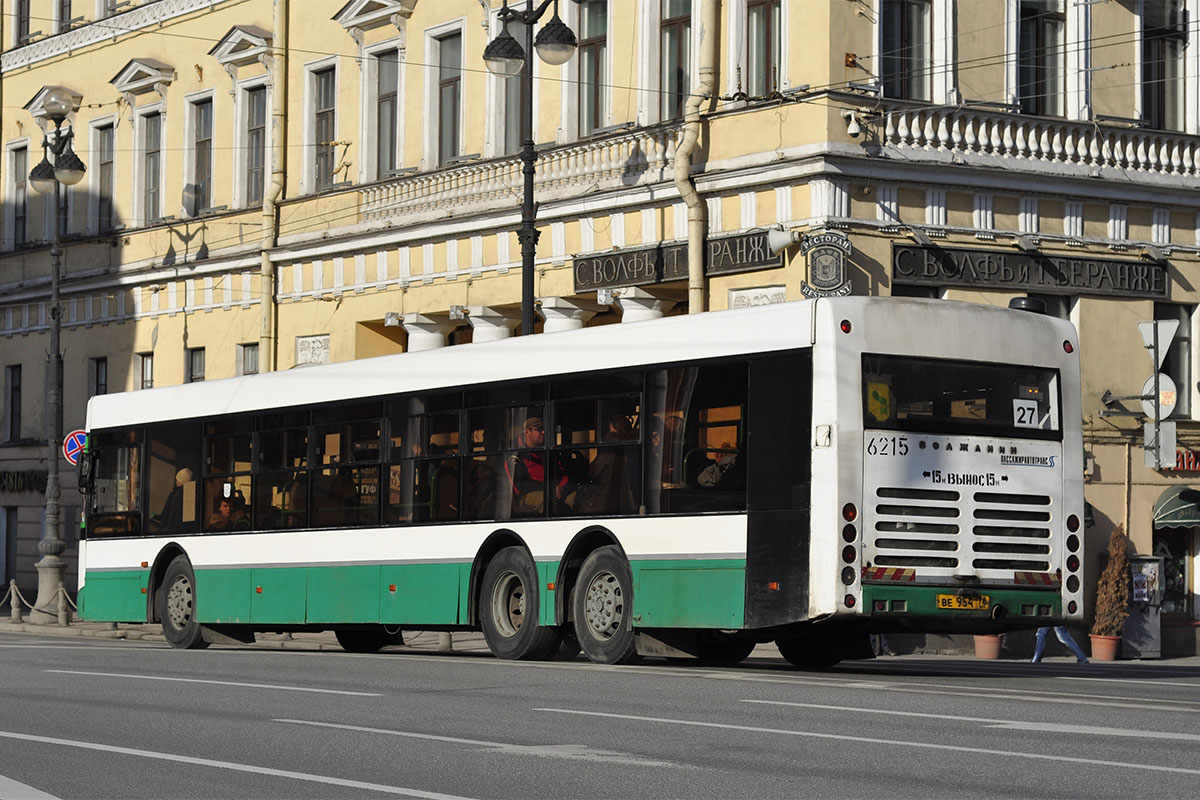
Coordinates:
(966, 397)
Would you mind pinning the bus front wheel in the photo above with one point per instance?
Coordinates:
(603, 604)
(509, 609)
(177, 606)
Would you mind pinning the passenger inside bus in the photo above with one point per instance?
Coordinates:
(227, 517)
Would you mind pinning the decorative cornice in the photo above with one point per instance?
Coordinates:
(104, 30)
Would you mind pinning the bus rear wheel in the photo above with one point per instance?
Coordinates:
(603, 606)
(509, 609)
(368, 638)
(177, 606)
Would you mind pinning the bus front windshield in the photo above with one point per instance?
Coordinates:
(931, 395)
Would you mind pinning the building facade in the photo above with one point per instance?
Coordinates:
(275, 183)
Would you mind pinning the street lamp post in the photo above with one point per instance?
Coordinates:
(505, 57)
(67, 170)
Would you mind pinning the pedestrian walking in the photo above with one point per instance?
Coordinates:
(1064, 636)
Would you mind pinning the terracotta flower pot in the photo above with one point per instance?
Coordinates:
(1104, 648)
(987, 646)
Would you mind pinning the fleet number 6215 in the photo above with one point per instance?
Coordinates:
(887, 446)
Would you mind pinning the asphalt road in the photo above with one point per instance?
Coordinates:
(86, 719)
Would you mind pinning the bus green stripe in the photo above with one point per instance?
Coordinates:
(684, 593)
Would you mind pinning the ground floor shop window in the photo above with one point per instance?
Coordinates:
(1174, 546)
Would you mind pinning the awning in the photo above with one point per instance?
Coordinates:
(1177, 507)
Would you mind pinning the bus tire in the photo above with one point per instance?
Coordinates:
(811, 652)
(368, 638)
(602, 602)
(177, 606)
(509, 609)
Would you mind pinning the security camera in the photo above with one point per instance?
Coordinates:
(852, 126)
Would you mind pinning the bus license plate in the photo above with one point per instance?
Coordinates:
(954, 602)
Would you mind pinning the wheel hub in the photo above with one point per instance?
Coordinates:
(179, 602)
(508, 604)
(604, 606)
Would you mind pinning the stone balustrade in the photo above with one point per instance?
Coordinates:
(967, 132)
(628, 158)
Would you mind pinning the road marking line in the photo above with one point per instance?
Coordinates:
(571, 751)
(217, 683)
(234, 766)
(1010, 724)
(869, 740)
(1028, 695)
(1130, 680)
(12, 790)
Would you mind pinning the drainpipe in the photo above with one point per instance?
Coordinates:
(270, 233)
(697, 210)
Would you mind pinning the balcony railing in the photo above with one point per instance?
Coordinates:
(630, 158)
(966, 132)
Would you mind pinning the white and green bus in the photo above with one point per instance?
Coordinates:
(803, 473)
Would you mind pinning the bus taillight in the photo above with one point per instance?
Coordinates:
(1073, 562)
(1072, 523)
(848, 575)
(849, 533)
(1068, 348)
(849, 554)
(849, 600)
(1072, 607)
(846, 326)
(849, 512)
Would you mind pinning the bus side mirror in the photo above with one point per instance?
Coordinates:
(85, 472)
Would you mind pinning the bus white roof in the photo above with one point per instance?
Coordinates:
(672, 339)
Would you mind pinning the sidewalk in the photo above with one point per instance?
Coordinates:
(460, 641)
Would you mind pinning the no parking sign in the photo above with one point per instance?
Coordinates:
(73, 446)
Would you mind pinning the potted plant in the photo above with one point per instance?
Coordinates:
(1112, 600)
(987, 645)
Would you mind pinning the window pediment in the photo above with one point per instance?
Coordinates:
(35, 107)
(367, 14)
(241, 45)
(142, 75)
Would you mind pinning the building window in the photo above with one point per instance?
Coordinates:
(195, 364)
(97, 376)
(593, 47)
(20, 173)
(1178, 361)
(1164, 39)
(151, 167)
(248, 359)
(21, 21)
(449, 93)
(256, 143)
(324, 108)
(105, 154)
(387, 101)
(762, 47)
(907, 54)
(64, 16)
(514, 100)
(146, 370)
(1041, 57)
(675, 39)
(201, 195)
(12, 402)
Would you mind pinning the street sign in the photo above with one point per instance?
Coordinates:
(1160, 454)
(1167, 328)
(1166, 396)
(73, 446)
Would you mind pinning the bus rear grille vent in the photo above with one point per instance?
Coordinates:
(922, 528)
